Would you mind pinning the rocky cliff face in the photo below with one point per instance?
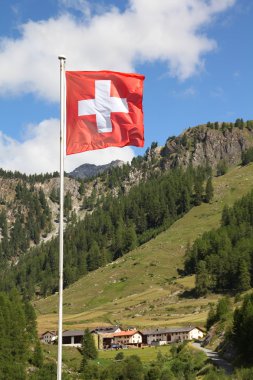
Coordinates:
(204, 145)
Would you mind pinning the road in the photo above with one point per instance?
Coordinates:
(215, 358)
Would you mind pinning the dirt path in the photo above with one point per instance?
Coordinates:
(215, 358)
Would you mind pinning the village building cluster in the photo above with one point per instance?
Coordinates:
(114, 337)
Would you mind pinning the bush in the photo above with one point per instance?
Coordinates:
(247, 156)
(222, 168)
(119, 356)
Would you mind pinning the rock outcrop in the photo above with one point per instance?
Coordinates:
(207, 146)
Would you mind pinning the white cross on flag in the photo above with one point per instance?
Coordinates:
(104, 108)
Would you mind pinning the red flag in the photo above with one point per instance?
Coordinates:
(104, 108)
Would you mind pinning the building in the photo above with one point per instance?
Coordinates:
(128, 338)
(107, 337)
(72, 338)
(48, 337)
(103, 336)
(171, 335)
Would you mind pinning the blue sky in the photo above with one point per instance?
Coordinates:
(196, 55)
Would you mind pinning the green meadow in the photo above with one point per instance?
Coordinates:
(71, 356)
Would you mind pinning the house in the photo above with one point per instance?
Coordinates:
(127, 338)
(103, 336)
(170, 335)
(48, 337)
(72, 338)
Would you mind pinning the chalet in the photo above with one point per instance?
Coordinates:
(128, 338)
(170, 335)
(48, 337)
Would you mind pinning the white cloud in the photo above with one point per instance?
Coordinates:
(39, 153)
(186, 93)
(165, 30)
(103, 37)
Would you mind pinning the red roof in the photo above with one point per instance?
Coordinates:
(126, 333)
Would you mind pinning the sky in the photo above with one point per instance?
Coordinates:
(196, 56)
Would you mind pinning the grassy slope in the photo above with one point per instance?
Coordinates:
(72, 357)
(141, 289)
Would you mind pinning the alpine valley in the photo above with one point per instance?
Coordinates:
(166, 241)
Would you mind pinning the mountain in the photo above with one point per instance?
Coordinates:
(88, 170)
(143, 288)
(112, 213)
(128, 234)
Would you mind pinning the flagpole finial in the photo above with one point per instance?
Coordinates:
(62, 57)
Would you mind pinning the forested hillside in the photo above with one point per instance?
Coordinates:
(113, 213)
(223, 259)
(126, 232)
(116, 227)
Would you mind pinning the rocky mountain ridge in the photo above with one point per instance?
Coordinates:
(203, 145)
(207, 145)
(90, 170)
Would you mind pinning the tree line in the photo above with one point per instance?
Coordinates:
(222, 259)
(31, 178)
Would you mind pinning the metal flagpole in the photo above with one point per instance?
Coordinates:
(62, 124)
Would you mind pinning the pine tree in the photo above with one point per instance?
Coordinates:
(55, 195)
(93, 258)
(222, 168)
(130, 238)
(202, 279)
(185, 201)
(211, 317)
(37, 359)
(223, 308)
(209, 190)
(198, 188)
(243, 276)
(243, 329)
(247, 156)
(67, 204)
(89, 350)
(81, 188)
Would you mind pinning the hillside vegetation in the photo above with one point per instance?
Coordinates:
(143, 287)
(111, 214)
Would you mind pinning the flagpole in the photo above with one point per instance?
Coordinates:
(62, 124)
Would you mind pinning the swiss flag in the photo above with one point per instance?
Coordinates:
(104, 108)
